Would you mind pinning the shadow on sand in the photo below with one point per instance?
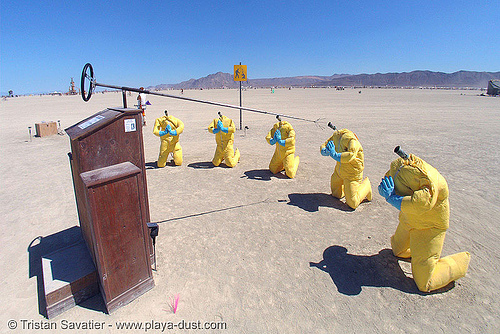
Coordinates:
(311, 202)
(263, 175)
(205, 165)
(154, 164)
(351, 273)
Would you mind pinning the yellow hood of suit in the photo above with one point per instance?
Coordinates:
(223, 138)
(287, 133)
(161, 125)
(352, 158)
(425, 202)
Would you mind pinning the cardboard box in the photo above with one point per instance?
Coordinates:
(46, 129)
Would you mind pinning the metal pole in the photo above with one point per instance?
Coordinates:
(202, 101)
(94, 84)
(124, 99)
(154, 252)
(241, 116)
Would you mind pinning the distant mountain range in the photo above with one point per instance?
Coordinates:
(460, 79)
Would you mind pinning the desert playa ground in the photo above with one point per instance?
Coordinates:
(259, 252)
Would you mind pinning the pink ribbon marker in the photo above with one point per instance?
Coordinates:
(175, 303)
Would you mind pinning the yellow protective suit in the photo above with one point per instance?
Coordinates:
(347, 178)
(169, 144)
(423, 221)
(283, 158)
(224, 150)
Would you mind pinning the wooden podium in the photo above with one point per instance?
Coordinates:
(109, 177)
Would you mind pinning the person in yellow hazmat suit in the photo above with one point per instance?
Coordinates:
(223, 128)
(168, 128)
(420, 193)
(347, 178)
(282, 135)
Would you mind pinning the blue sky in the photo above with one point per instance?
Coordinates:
(142, 43)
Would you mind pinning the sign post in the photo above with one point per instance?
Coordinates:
(240, 74)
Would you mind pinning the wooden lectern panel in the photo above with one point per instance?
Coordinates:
(109, 137)
(114, 198)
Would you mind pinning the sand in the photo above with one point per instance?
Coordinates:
(244, 248)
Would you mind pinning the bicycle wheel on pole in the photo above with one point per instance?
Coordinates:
(90, 76)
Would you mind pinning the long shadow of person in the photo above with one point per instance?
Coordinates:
(311, 202)
(351, 272)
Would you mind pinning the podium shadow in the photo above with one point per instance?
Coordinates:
(42, 247)
(350, 272)
(312, 201)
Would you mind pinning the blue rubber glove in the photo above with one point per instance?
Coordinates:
(395, 201)
(386, 187)
(331, 147)
(221, 126)
(324, 152)
(276, 137)
(386, 190)
(216, 129)
(170, 131)
(162, 133)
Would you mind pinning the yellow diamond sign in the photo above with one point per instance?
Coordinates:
(240, 72)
